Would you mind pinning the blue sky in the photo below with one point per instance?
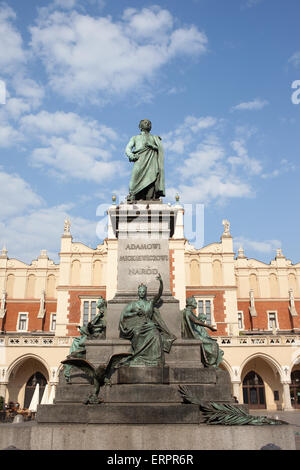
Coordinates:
(214, 77)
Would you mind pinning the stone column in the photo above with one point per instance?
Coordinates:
(3, 388)
(236, 390)
(287, 405)
(52, 391)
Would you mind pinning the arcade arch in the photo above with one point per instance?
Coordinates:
(19, 375)
(261, 383)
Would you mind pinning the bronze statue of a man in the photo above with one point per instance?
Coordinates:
(148, 176)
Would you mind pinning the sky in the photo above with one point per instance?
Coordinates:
(220, 82)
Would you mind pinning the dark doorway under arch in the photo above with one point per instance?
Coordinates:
(35, 379)
(295, 389)
(254, 391)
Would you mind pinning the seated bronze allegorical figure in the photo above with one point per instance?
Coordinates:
(94, 329)
(141, 323)
(194, 327)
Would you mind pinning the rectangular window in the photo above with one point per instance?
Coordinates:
(86, 306)
(93, 309)
(205, 307)
(200, 307)
(240, 321)
(23, 321)
(208, 311)
(89, 310)
(272, 320)
(53, 322)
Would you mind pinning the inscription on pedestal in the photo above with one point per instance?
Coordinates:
(142, 260)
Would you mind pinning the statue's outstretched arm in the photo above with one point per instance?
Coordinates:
(198, 322)
(160, 290)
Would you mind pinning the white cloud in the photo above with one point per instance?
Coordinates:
(295, 59)
(26, 234)
(242, 159)
(250, 3)
(16, 195)
(267, 246)
(9, 136)
(178, 140)
(204, 189)
(204, 158)
(72, 146)
(12, 54)
(253, 105)
(205, 172)
(96, 57)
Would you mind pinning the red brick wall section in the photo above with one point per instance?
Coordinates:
(9, 323)
(219, 308)
(262, 307)
(74, 311)
(172, 277)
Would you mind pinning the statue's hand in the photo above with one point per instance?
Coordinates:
(140, 312)
(158, 277)
(153, 147)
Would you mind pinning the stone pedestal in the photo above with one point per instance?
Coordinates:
(143, 231)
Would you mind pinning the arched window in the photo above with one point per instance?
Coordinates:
(274, 287)
(217, 272)
(50, 288)
(254, 285)
(75, 273)
(10, 286)
(254, 391)
(97, 273)
(292, 280)
(295, 389)
(195, 273)
(30, 291)
(35, 379)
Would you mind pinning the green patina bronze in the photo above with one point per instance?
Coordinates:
(225, 413)
(142, 324)
(97, 376)
(94, 329)
(148, 176)
(194, 327)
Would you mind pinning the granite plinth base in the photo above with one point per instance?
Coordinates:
(35, 436)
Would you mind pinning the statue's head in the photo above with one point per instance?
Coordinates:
(142, 291)
(191, 302)
(101, 302)
(145, 125)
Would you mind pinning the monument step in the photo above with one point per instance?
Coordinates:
(119, 414)
(142, 393)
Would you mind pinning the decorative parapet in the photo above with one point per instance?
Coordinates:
(37, 341)
(259, 340)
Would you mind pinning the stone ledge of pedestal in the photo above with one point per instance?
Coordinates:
(126, 297)
(119, 414)
(35, 436)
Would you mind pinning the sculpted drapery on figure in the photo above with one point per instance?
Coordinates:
(94, 329)
(195, 328)
(142, 324)
(148, 176)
